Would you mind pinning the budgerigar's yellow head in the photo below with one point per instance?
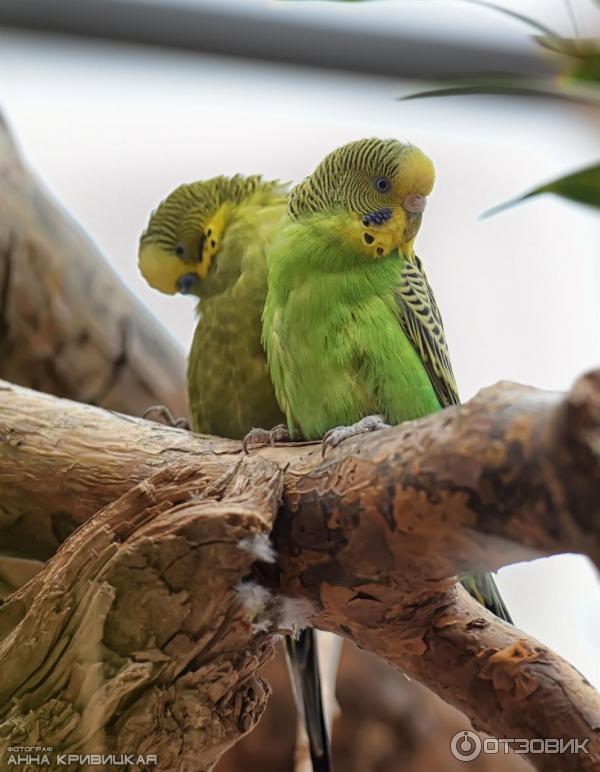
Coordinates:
(178, 251)
(382, 183)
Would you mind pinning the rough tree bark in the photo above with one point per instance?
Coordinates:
(368, 543)
(67, 324)
(387, 723)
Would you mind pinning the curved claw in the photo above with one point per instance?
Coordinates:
(263, 437)
(164, 416)
(333, 437)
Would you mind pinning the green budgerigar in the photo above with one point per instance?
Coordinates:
(353, 335)
(210, 239)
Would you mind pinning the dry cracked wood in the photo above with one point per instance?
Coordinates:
(68, 326)
(132, 639)
(368, 541)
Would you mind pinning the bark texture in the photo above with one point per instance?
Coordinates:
(387, 723)
(67, 324)
(369, 542)
(133, 638)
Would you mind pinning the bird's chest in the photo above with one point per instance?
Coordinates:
(341, 323)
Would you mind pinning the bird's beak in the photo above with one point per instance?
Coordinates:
(415, 203)
(414, 206)
(187, 283)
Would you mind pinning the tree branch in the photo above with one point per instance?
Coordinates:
(68, 326)
(372, 537)
(133, 639)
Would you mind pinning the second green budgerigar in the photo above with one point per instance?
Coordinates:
(209, 239)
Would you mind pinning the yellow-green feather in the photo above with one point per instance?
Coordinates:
(229, 386)
(190, 204)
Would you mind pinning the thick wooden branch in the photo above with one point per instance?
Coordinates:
(372, 537)
(68, 326)
(133, 638)
(507, 683)
(60, 462)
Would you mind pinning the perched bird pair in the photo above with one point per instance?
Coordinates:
(315, 311)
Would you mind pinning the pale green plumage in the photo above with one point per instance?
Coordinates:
(228, 382)
(179, 219)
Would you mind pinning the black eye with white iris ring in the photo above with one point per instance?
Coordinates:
(382, 184)
(180, 250)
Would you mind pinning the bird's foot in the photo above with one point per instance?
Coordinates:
(370, 423)
(164, 416)
(261, 437)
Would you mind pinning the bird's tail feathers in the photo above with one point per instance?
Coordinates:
(306, 681)
(484, 589)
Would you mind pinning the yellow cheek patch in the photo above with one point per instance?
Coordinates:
(213, 235)
(377, 241)
(161, 269)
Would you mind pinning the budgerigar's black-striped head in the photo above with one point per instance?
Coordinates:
(382, 183)
(183, 237)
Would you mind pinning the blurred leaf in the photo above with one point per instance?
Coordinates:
(585, 67)
(563, 46)
(568, 88)
(582, 186)
(583, 56)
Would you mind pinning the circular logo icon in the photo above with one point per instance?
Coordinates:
(465, 745)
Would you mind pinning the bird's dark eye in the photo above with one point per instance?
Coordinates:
(180, 250)
(382, 184)
(186, 283)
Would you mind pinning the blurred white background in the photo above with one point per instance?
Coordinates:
(111, 129)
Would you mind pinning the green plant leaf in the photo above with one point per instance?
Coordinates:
(582, 186)
(563, 46)
(581, 56)
(568, 88)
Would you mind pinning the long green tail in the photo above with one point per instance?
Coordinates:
(484, 589)
(306, 680)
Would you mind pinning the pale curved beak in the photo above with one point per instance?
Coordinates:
(415, 203)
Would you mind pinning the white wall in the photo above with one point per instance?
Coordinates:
(111, 130)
